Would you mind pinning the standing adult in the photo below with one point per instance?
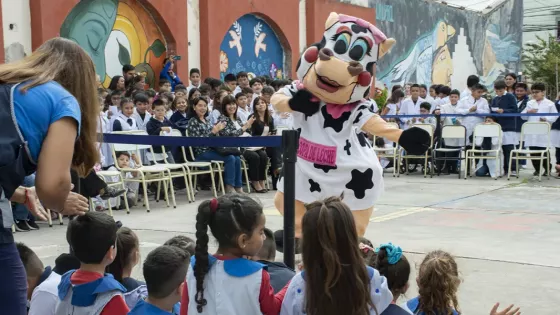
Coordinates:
(511, 80)
(53, 98)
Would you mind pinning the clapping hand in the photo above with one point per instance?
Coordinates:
(472, 109)
(532, 111)
(249, 122)
(218, 127)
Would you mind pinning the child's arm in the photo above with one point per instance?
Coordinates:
(483, 108)
(185, 300)
(153, 129)
(117, 125)
(270, 303)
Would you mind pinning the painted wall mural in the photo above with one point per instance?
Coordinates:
(115, 33)
(252, 46)
(437, 44)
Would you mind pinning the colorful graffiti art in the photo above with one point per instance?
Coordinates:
(251, 45)
(115, 33)
(498, 56)
(428, 60)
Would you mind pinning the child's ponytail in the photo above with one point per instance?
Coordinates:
(438, 282)
(391, 263)
(202, 263)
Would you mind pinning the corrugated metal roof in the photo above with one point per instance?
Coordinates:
(474, 5)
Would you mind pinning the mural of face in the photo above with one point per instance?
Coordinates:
(341, 69)
(442, 69)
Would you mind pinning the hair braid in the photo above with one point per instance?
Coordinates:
(202, 263)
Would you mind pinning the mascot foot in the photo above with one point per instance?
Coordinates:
(279, 240)
(415, 141)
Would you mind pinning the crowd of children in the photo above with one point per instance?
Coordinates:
(340, 273)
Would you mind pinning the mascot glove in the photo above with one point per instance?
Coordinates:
(415, 141)
(304, 102)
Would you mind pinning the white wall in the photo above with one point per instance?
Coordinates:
(16, 41)
(194, 34)
(302, 27)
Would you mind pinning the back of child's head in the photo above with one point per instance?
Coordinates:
(165, 270)
(337, 281)
(233, 220)
(268, 249)
(183, 242)
(128, 248)
(426, 106)
(31, 262)
(91, 236)
(396, 87)
(472, 80)
(391, 263)
(65, 262)
(438, 281)
(366, 247)
(230, 77)
(268, 90)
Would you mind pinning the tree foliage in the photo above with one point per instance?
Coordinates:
(540, 60)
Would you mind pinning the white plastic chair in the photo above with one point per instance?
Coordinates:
(541, 129)
(148, 174)
(389, 153)
(430, 129)
(450, 132)
(485, 130)
(195, 168)
(49, 219)
(217, 169)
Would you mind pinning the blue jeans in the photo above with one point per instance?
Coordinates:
(21, 213)
(232, 166)
(13, 281)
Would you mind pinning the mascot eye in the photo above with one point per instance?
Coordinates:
(342, 42)
(359, 49)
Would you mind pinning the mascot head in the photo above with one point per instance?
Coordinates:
(341, 69)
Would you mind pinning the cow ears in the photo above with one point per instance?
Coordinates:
(385, 46)
(331, 20)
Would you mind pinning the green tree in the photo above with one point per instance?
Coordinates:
(542, 62)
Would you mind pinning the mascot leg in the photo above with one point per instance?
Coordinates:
(299, 212)
(362, 220)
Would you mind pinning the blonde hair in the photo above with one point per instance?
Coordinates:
(438, 282)
(65, 62)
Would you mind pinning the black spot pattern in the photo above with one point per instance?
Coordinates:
(360, 182)
(335, 124)
(298, 64)
(347, 147)
(363, 140)
(366, 93)
(325, 168)
(322, 43)
(362, 107)
(298, 131)
(314, 186)
(357, 120)
(358, 29)
(369, 67)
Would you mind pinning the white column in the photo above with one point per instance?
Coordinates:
(193, 32)
(16, 21)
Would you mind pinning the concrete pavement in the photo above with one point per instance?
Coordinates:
(505, 234)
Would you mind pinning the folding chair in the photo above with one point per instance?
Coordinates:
(217, 169)
(450, 132)
(485, 131)
(389, 153)
(105, 175)
(195, 168)
(532, 129)
(430, 129)
(49, 219)
(148, 174)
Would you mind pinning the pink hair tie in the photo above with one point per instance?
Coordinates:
(214, 205)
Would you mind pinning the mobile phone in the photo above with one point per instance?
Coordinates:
(177, 57)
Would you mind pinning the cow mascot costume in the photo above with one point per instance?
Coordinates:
(331, 114)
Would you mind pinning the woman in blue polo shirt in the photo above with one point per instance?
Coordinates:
(48, 112)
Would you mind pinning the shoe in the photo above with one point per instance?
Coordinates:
(32, 225)
(262, 191)
(111, 192)
(513, 173)
(21, 226)
(535, 173)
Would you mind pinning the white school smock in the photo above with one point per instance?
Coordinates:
(124, 122)
(104, 127)
(294, 300)
(231, 287)
(141, 123)
(544, 106)
(464, 107)
(448, 121)
(333, 158)
(409, 107)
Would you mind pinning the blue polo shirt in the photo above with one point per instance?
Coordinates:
(143, 308)
(39, 107)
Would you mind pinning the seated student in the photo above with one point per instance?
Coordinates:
(266, 94)
(164, 86)
(183, 242)
(506, 103)
(128, 256)
(425, 110)
(243, 109)
(89, 290)
(167, 98)
(194, 76)
(539, 104)
(164, 270)
(424, 94)
(42, 283)
(141, 114)
(451, 108)
(231, 81)
(256, 85)
(155, 126)
(347, 286)
(125, 121)
(180, 115)
(473, 104)
(237, 222)
(472, 81)
(250, 94)
(487, 167)
(205, 93)
(115, 105)
(65, 262)
(394, 266)
(280, 274)
(242, 82)
(151, 93)
(181, 91)
(411, 106)
(443, 96)
(217, 107)
(126, 160)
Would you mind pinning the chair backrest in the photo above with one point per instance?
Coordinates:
(535, 128)
(428, 127)
(118, 147)
(190, 148)
(281, 128)
(488, 130)
(453, 132)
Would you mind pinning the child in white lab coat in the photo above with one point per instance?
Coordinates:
(485, 167)
(473, 104)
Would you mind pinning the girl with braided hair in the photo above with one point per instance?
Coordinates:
(227, 282)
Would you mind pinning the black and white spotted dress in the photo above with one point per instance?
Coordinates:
(333, 158)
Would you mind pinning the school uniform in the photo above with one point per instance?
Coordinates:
(45, 295)
(413, 307)
(510, 137)
(394, 309)
(122, 123)
(141, 119)
(464, 107)
(153, 128)
(103, 126)
(145, 308)
(484, 166)
(294, 300)
(243, 113)
(536, 142)
(168, 114)
(178, 116)
(466, 93)
(432, 102)
(232, 286)
(409, 107)
(214, 116)
(280, 274)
